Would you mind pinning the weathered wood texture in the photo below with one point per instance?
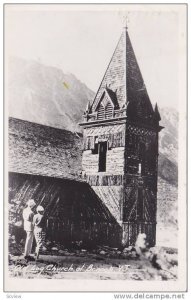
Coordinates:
(73, 210)
(132, 146)
(115, 74)
(43, 150)
(140, 190)
(104, 180)
(128, 190)
(141, 147)
(114, 162)
(115, 135)
(128, 187)
(132, 229)
(139, 202)
(112, 197)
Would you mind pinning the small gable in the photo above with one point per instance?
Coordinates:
(107, 104)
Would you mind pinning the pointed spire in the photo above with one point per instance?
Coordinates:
(88, 106)
(156, 113)
(126, 21)
(123, 75)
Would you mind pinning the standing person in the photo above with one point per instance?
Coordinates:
(28, 227)
(39, 229)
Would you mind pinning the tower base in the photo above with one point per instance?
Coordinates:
(131, 231)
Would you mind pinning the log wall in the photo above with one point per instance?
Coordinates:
(74, 212)
(114, 163)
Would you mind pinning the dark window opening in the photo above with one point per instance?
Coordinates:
(102, 156)
(95, 150)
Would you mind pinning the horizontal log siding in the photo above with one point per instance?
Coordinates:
(90, 162)
(114, 163)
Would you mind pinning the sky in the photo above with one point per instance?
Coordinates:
(82, 41)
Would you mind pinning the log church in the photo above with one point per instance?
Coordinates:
(116, 197)
(120, 145)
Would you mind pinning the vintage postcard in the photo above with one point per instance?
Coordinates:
(95, 160)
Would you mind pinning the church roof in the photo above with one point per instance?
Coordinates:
(123, 77)
(43, 150)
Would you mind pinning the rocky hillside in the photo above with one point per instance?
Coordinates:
(45, 95)
(168, 143)
(168, 146)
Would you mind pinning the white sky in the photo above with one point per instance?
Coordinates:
(82, 42)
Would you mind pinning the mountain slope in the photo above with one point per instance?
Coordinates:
(45, 95)
(168, 142)
(168, 146)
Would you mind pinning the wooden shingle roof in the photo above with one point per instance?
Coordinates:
(43, 150)
(125, 83)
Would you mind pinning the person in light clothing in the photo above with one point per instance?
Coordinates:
(28, 226)
(39, 229)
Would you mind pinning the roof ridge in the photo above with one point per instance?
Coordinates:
(107, 69)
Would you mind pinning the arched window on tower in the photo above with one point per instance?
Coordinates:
(109, 111)
(100, 112)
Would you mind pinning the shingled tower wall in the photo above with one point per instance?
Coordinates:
(120, 150)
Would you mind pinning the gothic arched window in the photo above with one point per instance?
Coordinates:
(109, 111)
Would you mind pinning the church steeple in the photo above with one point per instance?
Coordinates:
(156, 113)
(123, 78)
(120, 145)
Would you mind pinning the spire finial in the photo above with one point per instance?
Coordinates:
(126, 20)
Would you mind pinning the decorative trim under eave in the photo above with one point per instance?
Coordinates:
(100, 122)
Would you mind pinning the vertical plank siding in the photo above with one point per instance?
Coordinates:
(132, 229)
(73, 210)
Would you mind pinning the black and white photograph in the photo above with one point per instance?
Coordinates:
(95, 167)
